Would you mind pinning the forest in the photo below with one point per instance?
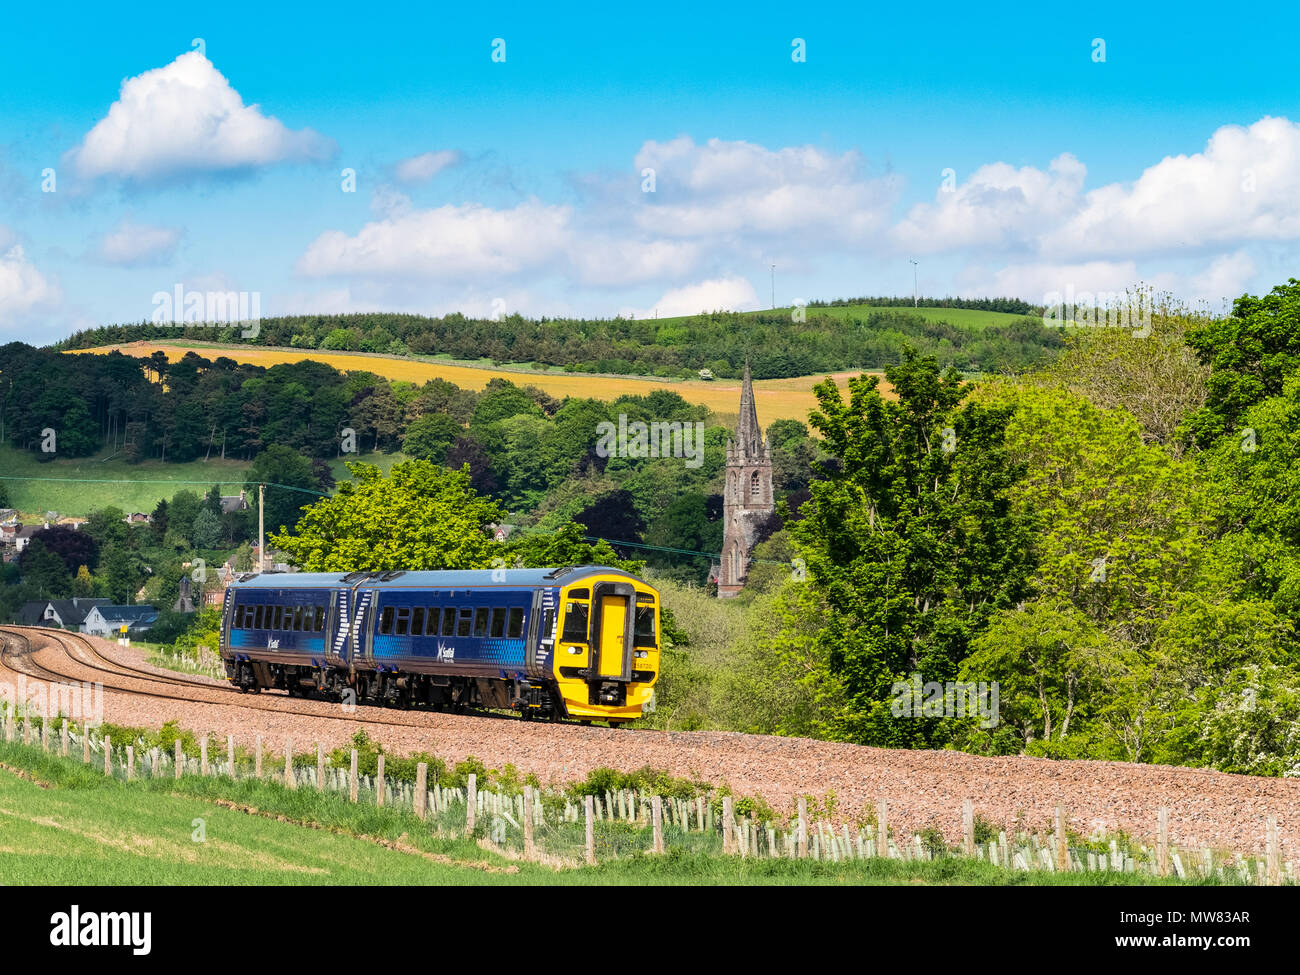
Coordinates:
(778, 344)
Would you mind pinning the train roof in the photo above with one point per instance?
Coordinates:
(441, 579)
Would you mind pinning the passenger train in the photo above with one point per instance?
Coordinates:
(576, 642)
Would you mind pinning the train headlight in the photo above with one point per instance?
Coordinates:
(575, 650)
(640, 654)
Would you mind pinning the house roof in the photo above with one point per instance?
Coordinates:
(73, 611)
(128, 614)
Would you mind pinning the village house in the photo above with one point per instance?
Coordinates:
(108, 621)
(68, 614)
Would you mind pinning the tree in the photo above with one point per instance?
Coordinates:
(421, 516)
(290, 480)
(912, 541)
(73, 546)
(430, 437)
(44, 569)
(207, 529)
(566, 546)
(82, 583)
(1250, 353)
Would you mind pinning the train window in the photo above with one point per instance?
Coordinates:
(462, 625)
(237, 622)
(297, 618)
(481, 621)
(386, 620)
(548, 624)
(417, 621)
(433, 621)
(320, 619)
(403, 621)
(575, 622)
(498, 623)
(516, 623)
(277, 618)
(643, 635)
(580, 594)
(257, 618)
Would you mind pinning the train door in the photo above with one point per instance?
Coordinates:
(611, 630)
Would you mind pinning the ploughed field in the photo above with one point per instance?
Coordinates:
(923, 788)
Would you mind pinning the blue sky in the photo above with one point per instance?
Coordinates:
(486, 185)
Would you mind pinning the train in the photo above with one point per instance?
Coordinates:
(574, 642)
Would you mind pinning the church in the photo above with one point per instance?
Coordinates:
(747, 495)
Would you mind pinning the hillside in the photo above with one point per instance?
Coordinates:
(777, 343)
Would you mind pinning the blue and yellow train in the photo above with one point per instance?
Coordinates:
(578, 642)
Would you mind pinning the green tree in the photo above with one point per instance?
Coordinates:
(421, 516)
(911, 538)
(290, 481)
(207, 529)
(429, 437)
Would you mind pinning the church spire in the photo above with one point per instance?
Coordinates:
(749, 436)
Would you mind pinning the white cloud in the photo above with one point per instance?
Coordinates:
(137, 245)
(610, 261)
(733, 187)
(422, 168)
(998, 206)
(721, 294)
(448, 242)
(185, 119)
(23, 289)
(1244, 186)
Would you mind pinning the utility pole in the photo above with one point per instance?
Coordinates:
(261, 528)
(914, 291)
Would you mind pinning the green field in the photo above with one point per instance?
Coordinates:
(64, 823)
(77, 486)
(966, 317)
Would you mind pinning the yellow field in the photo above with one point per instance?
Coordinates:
(776, 399)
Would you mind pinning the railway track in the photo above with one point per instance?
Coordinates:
(18, 652)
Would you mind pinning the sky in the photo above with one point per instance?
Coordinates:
(636, 159)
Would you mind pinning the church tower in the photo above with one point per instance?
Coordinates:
(747, 495)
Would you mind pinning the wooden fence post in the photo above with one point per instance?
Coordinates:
(471, 804)
(882, 828)
(588, 807)
(230, 755)
(257, 761)
(1273, 852)
(528, 822)
(968, 827)
(108, 755)
(85, 745)
(289, 781)
(1062, 845)
(203, 755)
(352, 778)
(320, 767)
(657, 815)
(728, 827)
(63, 739)
(130, 762)
(422, 790)
(801, 830)
(180, 760)
(381, 784)
(1162, 841)
(45, 734)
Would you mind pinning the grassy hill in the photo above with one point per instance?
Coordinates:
(75, 487)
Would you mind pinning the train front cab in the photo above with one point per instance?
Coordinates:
(607, 647)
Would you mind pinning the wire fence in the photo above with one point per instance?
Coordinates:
(567, 827)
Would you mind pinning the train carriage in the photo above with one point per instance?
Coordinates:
(580, 642)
